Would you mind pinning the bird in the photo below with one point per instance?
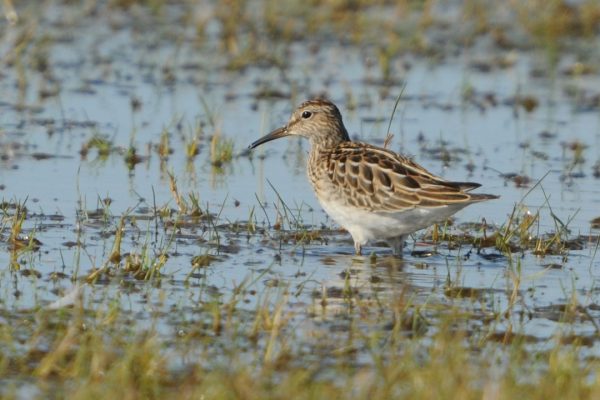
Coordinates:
(372, 192)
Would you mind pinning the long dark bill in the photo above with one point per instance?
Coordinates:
(276, 134)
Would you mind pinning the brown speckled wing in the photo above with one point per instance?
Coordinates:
(377, 179)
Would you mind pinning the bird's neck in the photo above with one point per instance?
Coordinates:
(327, 142)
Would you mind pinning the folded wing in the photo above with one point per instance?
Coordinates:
(380, 180)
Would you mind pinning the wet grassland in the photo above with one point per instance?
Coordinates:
(146, 253)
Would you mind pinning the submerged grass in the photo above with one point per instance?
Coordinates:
(86, 352)
(140, 325)
(221, 150)
(351, 342)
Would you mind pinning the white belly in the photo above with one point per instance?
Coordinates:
(364, 225)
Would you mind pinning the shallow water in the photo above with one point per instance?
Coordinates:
(99, 66)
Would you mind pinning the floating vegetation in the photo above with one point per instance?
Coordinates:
(99, 143)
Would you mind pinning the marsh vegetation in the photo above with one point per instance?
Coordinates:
(146, 253)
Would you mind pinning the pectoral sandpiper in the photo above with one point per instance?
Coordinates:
(370, 191)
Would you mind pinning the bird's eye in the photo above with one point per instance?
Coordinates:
(306, 114)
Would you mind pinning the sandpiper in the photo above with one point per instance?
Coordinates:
(372, 192)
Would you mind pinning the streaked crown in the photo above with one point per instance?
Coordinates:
(320, 121)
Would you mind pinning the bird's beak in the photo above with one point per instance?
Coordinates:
(276, 134)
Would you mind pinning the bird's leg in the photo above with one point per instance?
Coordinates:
(397, 245)
(357, 248)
